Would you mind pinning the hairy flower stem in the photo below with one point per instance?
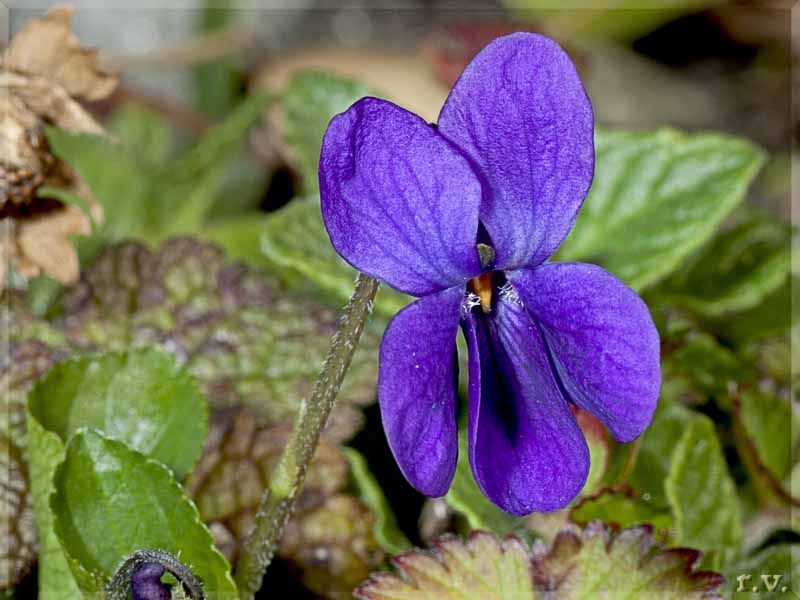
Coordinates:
(287, 479)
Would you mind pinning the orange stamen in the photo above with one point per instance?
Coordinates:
(481, 286)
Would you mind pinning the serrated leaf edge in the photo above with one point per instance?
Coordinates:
(58, 525)
(438, 552)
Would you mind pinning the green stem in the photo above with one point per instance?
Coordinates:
(287, 479)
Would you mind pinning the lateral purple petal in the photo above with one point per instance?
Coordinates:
(417, 384)
(525, 447)
(520, 112)
(602, 341)
(399, 202)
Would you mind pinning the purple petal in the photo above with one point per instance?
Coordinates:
(525, 447)
(417, 390)
(520, 112)
(399, 202)
(146, 583)
(602, 341)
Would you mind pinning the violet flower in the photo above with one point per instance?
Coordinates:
(464, 215)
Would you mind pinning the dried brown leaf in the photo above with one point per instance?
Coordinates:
(43, 73)
(46, 47)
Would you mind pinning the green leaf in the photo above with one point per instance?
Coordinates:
(310, 100)
(221, 141)
(482, 567)
(386, 531)
(141, 397)
(702, 494)
(656, 198)
(195, 197)
(295, 241)
(465, 497)
(46, 451)
(708, 367)
(217, 84)
(42, 293)
(239, 235)
(595, 562)
(598, 563)
(244, 337)
(144, 133)
(623, 507)
(191, 182)
(118, 183)
(110, 500)
(774, 428)
(655, 452)
(736, 270)
(767, 434)
(142, 197)
(773, 316)
(775, 563)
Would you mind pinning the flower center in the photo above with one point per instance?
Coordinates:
(481, 286)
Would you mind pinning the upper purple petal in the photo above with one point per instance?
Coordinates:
(520, 112)
(399, 202)
(602, 341)
(417, 390)
(525, 447)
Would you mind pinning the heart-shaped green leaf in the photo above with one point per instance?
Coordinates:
(657, 197)
(142, 397)
(110, 501)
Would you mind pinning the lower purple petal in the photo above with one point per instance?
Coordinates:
(417, 390)
(602, 340)
(526, 449)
